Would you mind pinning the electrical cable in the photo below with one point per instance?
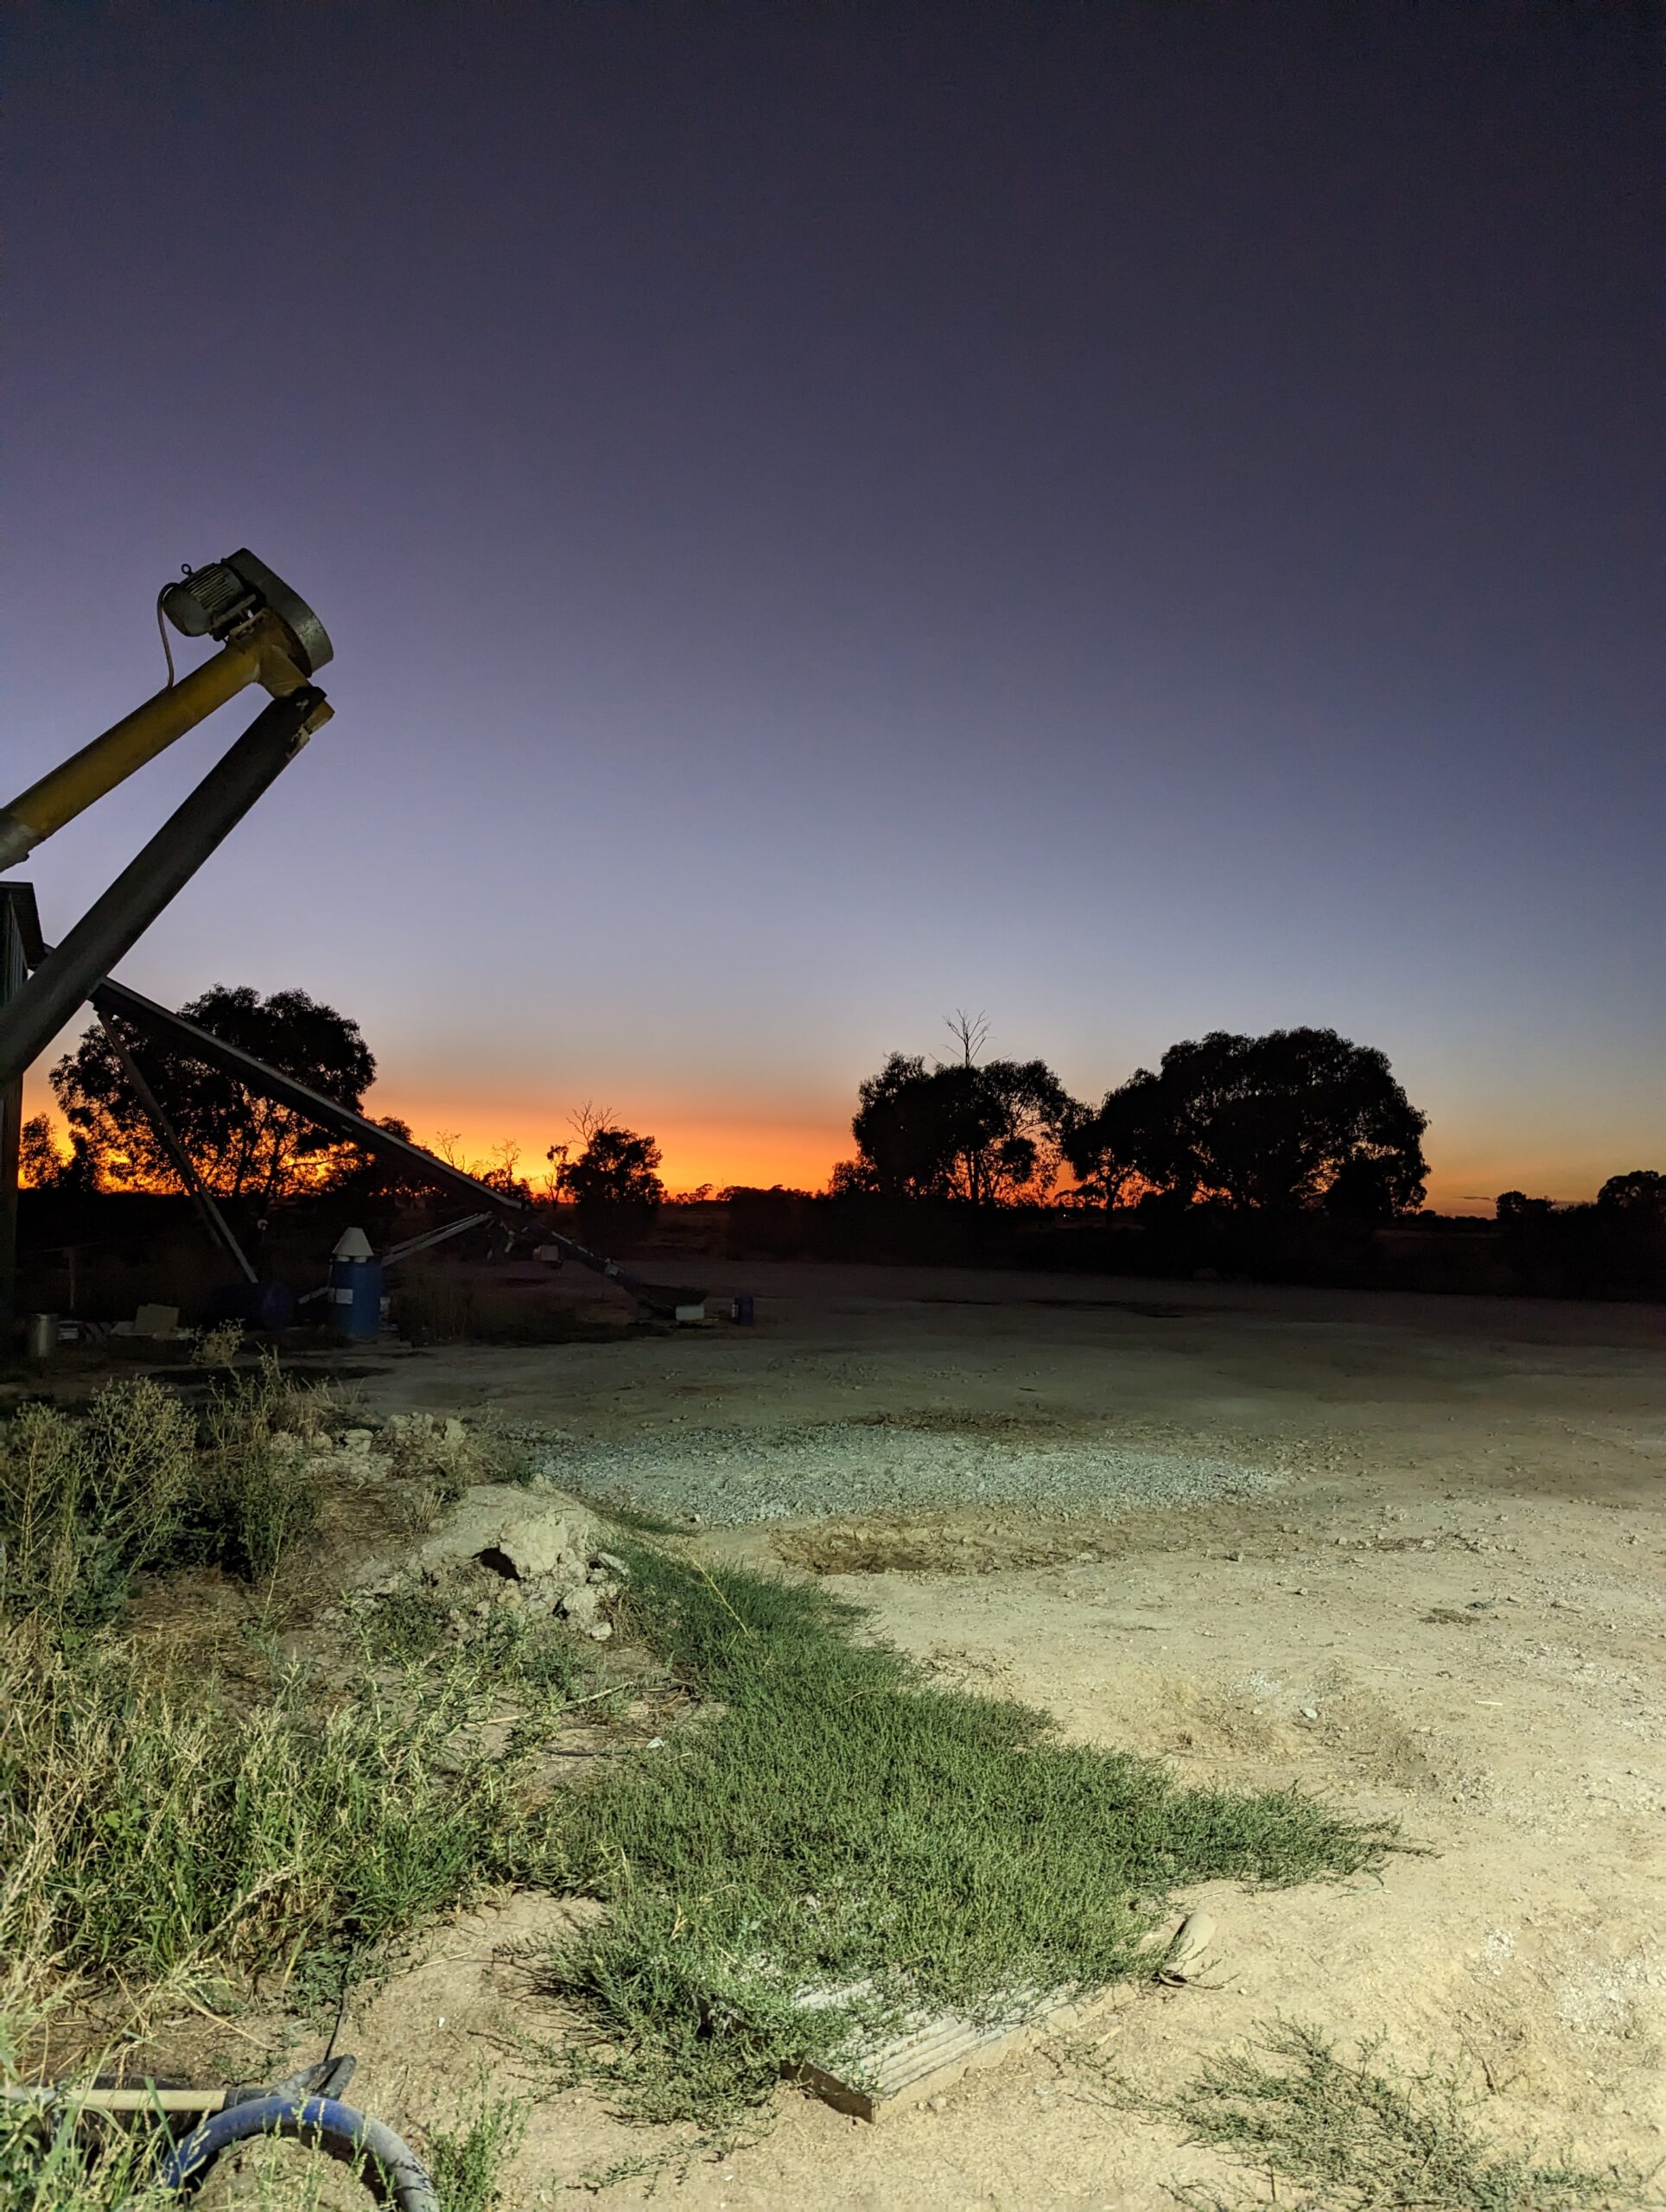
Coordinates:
(161, 631)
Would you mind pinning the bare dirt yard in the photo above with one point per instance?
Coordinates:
(1407, 1552)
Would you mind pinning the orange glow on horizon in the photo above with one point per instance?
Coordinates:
(797, 1154)
(800, 1150)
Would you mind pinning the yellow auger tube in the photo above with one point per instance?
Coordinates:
(260, 652)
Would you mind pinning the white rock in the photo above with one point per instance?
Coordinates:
(582, 1607)
(523, 1533)
(1191, 1941)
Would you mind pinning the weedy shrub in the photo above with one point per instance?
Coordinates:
(219, 1346)
(1339, 2136)
(258, 1490)
(439, 1453)
(87, 1500)
(837, 1826)
(465, 2160)
(442, 1453)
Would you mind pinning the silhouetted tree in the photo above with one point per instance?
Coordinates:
(241, 1145)
(1516, 1205)
(39, 1164)
(1642, 1192)
(376, 1178)
(615, 1177)
(1297, 1119)
(987, 1135)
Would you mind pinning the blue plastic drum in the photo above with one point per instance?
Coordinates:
(355, 1299)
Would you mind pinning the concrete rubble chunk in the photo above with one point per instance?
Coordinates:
(582, 1607)
(525, 1533)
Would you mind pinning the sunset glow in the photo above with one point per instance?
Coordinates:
(1136, 572)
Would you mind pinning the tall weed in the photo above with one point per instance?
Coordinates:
(87, 1502)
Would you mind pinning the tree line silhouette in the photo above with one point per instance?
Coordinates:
(1236, 1153)
(1297, 1119)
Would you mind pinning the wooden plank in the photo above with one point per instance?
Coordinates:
(930, 2056)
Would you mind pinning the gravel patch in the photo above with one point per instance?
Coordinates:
(725, 1478)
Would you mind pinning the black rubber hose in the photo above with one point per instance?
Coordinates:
(388, 2168)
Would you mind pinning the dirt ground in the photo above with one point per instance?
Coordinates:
(1449, 1610)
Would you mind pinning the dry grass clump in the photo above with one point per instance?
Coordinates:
(148, 1832)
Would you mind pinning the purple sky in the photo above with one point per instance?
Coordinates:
(1138, 520)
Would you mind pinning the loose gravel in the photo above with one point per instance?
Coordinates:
(727, 1477)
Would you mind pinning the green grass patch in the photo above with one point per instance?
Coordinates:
(1322, 2134)
(835, 1823)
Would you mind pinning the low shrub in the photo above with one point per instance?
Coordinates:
(1356, 2136)
(137, 1480)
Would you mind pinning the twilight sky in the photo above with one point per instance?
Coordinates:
(1137, 519)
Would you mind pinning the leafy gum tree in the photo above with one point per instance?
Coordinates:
(241, 1145)
(1296, 1120)
(987, 1135)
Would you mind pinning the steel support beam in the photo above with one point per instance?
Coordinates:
(168, 1137)
(17, 922)
(115, 922)
(113, 998)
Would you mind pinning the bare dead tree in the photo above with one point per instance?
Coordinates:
(589, 1118)
(969, 1031)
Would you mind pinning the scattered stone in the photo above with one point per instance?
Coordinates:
(736, 1477)
(614, 1564)
(1189, 1947)
(1309, 1712)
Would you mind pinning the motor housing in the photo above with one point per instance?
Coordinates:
(211, 601)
